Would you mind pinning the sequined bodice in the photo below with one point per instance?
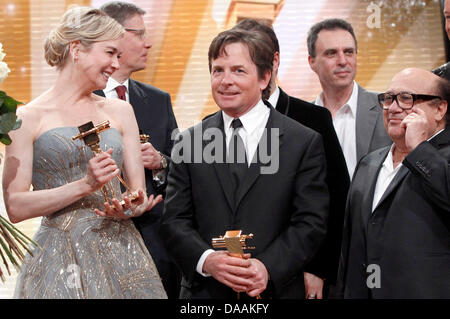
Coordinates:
(59, 160)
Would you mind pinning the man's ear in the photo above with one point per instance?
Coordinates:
(266, 79)
(276, 62)
(441, 111)
(312, 64)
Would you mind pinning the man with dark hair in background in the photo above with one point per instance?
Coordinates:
(155, 118)
(325, 264)
(357, 119)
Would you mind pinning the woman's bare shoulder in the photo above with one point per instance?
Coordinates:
(35, 107)
(30, 112)
(118, 110)
(33, 113)
(115, 105)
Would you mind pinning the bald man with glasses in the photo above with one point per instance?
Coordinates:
(396, 241)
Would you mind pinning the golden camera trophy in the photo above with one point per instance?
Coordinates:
(90, 135)
(235, 242)
(143, 138)
(157, 174)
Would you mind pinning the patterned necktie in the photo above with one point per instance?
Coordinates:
(121, 89)
(237, 159)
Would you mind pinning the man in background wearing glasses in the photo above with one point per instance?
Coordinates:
(397, 228)
(155, 117)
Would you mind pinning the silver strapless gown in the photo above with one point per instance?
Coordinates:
(83, 255)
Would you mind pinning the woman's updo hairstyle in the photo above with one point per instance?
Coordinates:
(84, 24)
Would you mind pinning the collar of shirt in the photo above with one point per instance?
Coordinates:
(351, 103)
(435, 135)
(251, 120)
(253, 125)
(110, 89)
(387, 174)
(385, 177)
(273, 99)
(344, 123)
(388, 163)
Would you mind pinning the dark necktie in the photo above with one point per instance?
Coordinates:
(237, 158)
(121, 89)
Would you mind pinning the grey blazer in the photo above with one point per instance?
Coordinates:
(370, 132)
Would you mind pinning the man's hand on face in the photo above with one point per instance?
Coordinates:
(416, 128)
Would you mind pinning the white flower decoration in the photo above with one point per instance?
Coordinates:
(4, 70)
(2, 55)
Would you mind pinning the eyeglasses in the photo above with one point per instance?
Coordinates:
(141, 33)
(404, 100)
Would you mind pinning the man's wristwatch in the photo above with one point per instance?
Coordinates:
(163, 163)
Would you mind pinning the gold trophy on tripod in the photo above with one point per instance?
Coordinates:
(235, 242)
(158, 177)
(90, 134)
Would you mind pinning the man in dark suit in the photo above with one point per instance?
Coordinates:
(357, 119)
(444, 70)
(325, 264)
(397, 230)
(155, 117)
(282, 199)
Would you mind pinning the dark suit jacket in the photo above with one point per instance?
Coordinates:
(286, 211)
(154, 115)
(408, 234)
(325, 264)
(443, 71)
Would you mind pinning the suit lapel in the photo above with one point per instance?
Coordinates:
(136, 95)
(99, 93)
(222, 171)
(371, 177)
(402, 172)
(439, 140)
(275, 121)
(442, 139)
(283, 103)
(366, 118)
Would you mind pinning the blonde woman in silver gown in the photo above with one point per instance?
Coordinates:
(89, 249)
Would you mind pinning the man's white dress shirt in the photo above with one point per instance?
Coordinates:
(273, 99)
(110, 89)
(344, 122)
